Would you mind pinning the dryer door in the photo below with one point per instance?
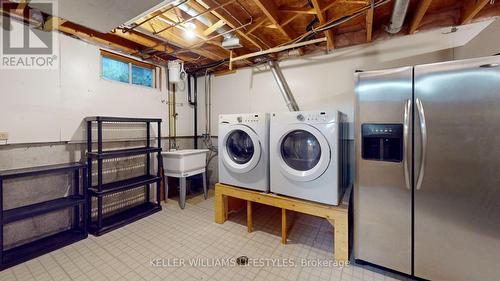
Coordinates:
(241, 149)
(304, 153)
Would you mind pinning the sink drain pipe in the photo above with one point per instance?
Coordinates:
(193, 101)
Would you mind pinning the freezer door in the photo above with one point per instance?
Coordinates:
(382, 196)
(457, 170)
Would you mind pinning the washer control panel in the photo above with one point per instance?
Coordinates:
(248, 118)
(253, 118)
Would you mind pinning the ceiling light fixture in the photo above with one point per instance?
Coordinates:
(189, 28)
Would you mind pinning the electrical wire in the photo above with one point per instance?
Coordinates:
(337, 22)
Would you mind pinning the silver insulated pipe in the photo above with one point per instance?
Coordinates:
(398, 16)
(283, 85)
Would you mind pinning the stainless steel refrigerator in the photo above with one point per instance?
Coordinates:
(427, 190)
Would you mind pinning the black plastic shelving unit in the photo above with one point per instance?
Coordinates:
(103, 224)
(77, 200)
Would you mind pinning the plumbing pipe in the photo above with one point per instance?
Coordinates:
(194, 102)
(398, 16)
(208, 103)
(283, 85)
(172, 116)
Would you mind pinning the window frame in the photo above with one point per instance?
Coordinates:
(156, 70)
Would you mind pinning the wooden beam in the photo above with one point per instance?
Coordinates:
(176, 37)
(271, 11)
(230, 22)
(304, 11)
(214, 27)
(338, 216)
(333, 3)
(419, 15)
(22, 5)
(289, 19)
(249, 217)
(322, 20)
(279, 49)
(283, 226)
(471, 9)
(369, 25)
(97, 37)
(143, 40)
(52, 23)
(258, 23)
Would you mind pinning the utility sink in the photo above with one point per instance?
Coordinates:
(185, 162)
(182, 164)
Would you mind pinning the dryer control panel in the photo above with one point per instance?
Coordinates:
(310, 117)
(252, 118)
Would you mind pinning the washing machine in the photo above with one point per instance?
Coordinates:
(309, 155)
(244, 150)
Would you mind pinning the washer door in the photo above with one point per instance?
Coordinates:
(241, 149)
(304, 153)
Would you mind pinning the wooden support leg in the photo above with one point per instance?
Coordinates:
(283, 226)
(249, 217)
(220, 207)
(340, 238)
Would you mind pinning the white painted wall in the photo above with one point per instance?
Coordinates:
(325, 82)
(49, 105)
(487, 43)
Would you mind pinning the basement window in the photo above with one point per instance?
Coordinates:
(142, 76)
(119, 68)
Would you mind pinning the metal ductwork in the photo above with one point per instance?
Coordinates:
(283, 85)
(398, 16)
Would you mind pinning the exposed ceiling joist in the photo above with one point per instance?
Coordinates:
(258, 23)
(369, 25)
(419, 15)
(322, 19)
(230, 22)
(289, 19)
(271, 11)
(471, 9)
(98, 37)
(22, 4)
(214, 27)
(177, 38)
(150, 43)
(307, 11)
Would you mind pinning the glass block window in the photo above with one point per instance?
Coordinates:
(123, 69)
(115, 70)
(142, 76)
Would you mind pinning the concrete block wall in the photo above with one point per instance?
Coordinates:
(25, 191)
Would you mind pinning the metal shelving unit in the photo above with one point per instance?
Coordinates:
(77, 200)
(103, 224)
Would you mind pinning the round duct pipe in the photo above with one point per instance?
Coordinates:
(398, 16)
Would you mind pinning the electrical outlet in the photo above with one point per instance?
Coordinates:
(4, 136)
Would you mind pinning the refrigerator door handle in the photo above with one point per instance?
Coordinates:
(406, 128)
(423, 133)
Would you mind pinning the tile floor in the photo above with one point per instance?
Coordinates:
(154, 248)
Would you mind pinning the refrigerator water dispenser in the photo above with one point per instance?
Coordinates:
(382, 142)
